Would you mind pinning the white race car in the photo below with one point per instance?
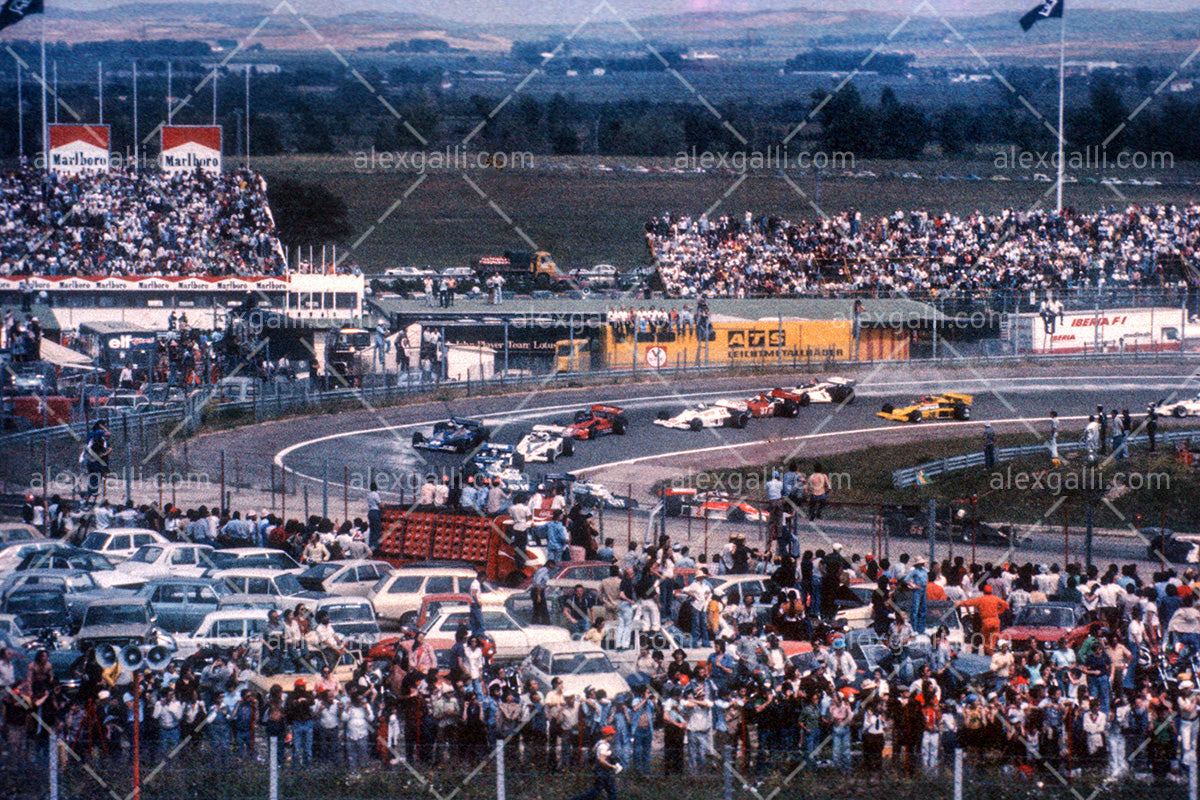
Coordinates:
(545, 443)
(721, 414)
(829, 390)
(1178, 408)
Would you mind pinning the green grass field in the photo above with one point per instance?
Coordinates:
(586, 217)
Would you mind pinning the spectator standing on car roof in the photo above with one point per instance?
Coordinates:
(476, 604)
(497, 499)
(1093, 437)
(818, 491)
(775, 495)
(374, 518)
(557, 539)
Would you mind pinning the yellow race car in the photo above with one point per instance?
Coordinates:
(947, 405)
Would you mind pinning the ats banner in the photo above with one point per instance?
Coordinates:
(186, 148)
(76, 149)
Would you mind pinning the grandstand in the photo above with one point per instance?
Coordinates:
(920, 254)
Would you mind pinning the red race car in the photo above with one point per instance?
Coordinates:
(597, 421)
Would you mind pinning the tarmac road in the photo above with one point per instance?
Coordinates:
(648, 453)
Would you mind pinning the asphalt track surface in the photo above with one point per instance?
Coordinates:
(350, 444)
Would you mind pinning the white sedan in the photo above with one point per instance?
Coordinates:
(578, 664)
(721, 414)
(175, 559)
(1178, 408)
(513, 641)
(545, 443)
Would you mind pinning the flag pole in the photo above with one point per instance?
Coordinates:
(1062, 45)
(100, 87)
(170, 111)
(214, 121)
(247, 115)
(54, 69)
(136, 163)
(42, 80)
(20, 116)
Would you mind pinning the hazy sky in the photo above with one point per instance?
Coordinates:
(558, 12)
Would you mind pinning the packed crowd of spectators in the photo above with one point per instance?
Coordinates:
(131, 223)
(922, 253)
(1114, 699)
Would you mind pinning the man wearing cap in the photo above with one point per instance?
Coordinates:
(700, 593)
(840, 666)
(606, 767)
(918, 583)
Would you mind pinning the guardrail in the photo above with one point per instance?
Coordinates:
(395, 388)
(911, 476)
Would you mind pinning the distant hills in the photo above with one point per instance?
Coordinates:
(747, 29)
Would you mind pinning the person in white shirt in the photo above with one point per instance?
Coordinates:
(168, 712)
(357, 720)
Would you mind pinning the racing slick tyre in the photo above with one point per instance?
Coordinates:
(518, 461)
(788, 408)
(695, 424)
(960, 411)
(418, 438)
(804, 400)
(845, 398)
(739, 421)
(549, 457)
(1178, 412)
(619, 427)
(736, 514)
(888, 408)
(673, 506)
(914, 416)
(568, 446)
(662, 415)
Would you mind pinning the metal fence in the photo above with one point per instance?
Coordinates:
(911, 476)
(267, 769)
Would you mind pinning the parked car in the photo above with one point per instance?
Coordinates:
(180, 603)
(77, 587)
(13, 554)
(121, 543)
(119, 622)
(99, 567)
(223, 630)
(281, 589)
(254, 558)
(668, 639)
(351, 578)
(397, 597)
(37, 608)
(580, 665)
(1044, 625)
(11, 532)
(513, 640)
(307, 667)
(353, 618)
(180, 559)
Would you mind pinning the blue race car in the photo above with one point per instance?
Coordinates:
(453, 436)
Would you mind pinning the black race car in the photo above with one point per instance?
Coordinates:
(453, 436)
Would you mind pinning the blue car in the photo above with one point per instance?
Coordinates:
(453, 436)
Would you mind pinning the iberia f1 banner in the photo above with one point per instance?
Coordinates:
(187, 148)
(75, 149)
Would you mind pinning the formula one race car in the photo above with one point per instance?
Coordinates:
(721, 414)
(830, 390)
(585, 492)
(688, 502)
(501, 461)
(545, 443)
(762, 405)
(453, 436)
(1178, 408)
(597, 421)
(948, 405)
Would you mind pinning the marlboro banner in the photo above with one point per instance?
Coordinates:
(186, 148)
(75, 149)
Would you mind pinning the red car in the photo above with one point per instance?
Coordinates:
(1045, 624)
(597, 421)
(763, 405)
